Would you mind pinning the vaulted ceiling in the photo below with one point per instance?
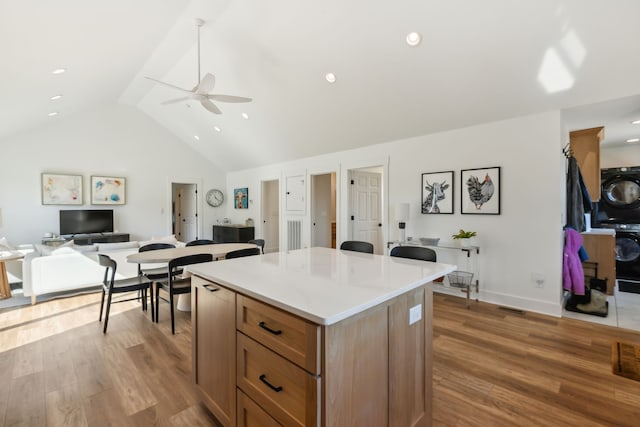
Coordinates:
(478, 61)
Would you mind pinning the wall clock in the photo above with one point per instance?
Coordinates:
(215, 197)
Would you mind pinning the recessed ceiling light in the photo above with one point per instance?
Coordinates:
(413, 38)
(635, 122)
(59, 71)
(53, 113)
(196, 137)
(55, 97)
(331, 78)
(633, 140)
(245, 116)
(217, 129)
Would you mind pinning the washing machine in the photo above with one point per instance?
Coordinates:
(619, 208)
(628, 257)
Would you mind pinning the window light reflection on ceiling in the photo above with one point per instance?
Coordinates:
(554, 75)
(633, 140)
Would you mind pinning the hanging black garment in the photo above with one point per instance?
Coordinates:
(577, 197)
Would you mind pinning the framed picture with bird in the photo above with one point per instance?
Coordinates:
(480, 191)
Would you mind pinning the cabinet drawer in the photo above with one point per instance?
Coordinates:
(287, 392)
(290, 336)
(252, 415)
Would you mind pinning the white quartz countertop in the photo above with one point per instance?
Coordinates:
(606, 231)
(322, 285)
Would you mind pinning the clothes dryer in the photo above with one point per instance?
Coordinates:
(619, 197)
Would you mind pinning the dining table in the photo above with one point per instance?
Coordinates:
(162, 256)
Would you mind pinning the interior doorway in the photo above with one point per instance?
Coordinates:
(365, 206)
(323, 210)
(185, 221)
(271, 215)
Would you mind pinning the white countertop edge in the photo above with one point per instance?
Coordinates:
(326, 321)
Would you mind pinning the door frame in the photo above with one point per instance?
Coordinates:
(169, 206)
(344, 195)
(263, 214)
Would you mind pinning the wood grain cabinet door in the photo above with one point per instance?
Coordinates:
(214, 348)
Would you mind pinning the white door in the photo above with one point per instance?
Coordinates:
(186, 214)
(321, 214)
(366, 208)
(270, 216)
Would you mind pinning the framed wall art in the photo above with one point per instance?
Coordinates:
(107, 190)
(241, 198)
(480, 191)
(437, 193)
(61, 189)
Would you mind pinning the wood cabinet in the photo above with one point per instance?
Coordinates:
(233, 233)
(601, 249)
(585, 145)
(214, 348)
(372, 368)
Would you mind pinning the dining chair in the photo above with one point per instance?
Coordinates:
(112, 286)
(201, 242)
(259, 243)
(175, 283)
(357, 246)
(242, 253)
(157, 272)
(414, 252)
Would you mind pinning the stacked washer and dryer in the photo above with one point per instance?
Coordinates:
(619, 208)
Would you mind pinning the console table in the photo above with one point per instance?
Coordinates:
(470, 253)
(90, 239)
(233, 233)
(5, 288)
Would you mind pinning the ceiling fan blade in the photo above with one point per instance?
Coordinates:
(206, 85)
(168, 85)
(210, 106)
(173, 101)
(229, 98)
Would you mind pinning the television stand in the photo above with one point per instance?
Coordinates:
(91, 238)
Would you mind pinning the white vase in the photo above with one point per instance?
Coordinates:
(468, 242)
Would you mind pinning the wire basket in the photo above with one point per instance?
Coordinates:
(460, 279)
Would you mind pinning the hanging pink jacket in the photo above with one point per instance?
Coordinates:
(572, 274)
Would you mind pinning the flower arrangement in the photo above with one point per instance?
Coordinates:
(464, 234)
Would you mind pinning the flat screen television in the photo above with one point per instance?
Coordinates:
(86, 221)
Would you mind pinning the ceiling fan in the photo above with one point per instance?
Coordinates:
(201, 91)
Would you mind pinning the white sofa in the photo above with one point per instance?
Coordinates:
(71, 267)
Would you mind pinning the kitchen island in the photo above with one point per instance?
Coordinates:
(314, 337)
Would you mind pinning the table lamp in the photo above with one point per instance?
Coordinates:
(403, 216)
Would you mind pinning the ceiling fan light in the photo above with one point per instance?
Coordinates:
(330, 77)
(413, 38)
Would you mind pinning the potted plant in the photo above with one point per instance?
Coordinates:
(465, 237)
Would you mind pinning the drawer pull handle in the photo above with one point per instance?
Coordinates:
(263, 378)
(210, 288)
(265, 327)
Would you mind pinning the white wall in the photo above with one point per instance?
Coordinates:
(115, 141)
(525, 239)
(620, 156)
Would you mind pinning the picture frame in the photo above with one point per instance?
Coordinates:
(437, 193)
(61, 189)
(480, 191)
(241, 198)
(108, 190)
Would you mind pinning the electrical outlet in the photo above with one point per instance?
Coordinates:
(415, 314)
(538, 280)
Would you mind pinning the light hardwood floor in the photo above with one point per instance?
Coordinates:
(492, 367)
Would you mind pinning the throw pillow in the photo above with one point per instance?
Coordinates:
(5, 245)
